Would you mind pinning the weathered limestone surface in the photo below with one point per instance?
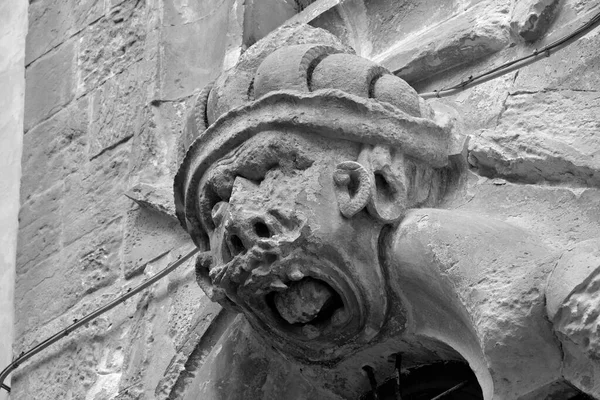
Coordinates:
(573, 304)
(532, 18)
(197, 40)
(53, 22)
(560, 144)
(480, 31)
(55, 77)
(109, 85)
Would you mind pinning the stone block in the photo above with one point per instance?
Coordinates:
(193, 53)
(543, 137)
(58, 282)
(561, 216)
(95, 258)
(194, 342)
(348, 23)
(155, 149)
(392, 21)
(52, 22)
(117, 109)
(190, 308)
(149, 235)
(573, 68)
(94, 196)
(573, 306)
(153, 197)
(49, 84)
(111, 45)
(478, 32)
(54, 149)
(54, 376)
(86, 363)
(574, 271)
(261, 17)
(40, 227)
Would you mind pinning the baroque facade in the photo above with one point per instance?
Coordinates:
(352, 233)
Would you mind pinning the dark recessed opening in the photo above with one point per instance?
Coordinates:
(582, 396)
(330, 307)
(323, 316)
(262, 230)
(384, 188)
(428, 381)
(270, 258)
(353, 185)
(237, 247)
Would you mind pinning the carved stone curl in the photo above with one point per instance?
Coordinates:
(354, 187)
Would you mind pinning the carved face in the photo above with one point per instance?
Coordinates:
(303, 273)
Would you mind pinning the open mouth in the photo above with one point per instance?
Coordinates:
(309, 304)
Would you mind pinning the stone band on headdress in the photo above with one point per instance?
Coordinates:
(310, 87)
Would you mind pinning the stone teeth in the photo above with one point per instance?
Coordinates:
(311, 331)
(340, 317)
(296, 275)
(278, 286)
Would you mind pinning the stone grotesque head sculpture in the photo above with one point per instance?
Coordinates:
(307, 155)
(309, 178)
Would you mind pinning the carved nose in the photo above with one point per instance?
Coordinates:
(244, 232)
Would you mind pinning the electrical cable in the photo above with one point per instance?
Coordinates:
(372, 381)
(79, 323)
(398, 368)
(451, 390)
(518, 63)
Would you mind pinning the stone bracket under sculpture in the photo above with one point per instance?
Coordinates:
(309, 181)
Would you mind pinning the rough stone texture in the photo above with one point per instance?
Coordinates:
(532, 18)
(54, 77)
(40, 226)
(55, 148)
(53, 22)
(117, 110)
(478, 32)
(197, 40)
(574, 305)
(112, 45)
(303, 301)
(262, 17)
(153, 197)
(149, 236)
(390, 21)
(97, 217)
(559, 144)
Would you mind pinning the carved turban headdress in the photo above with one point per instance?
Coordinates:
(316, 84)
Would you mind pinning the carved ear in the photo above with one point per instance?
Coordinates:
(353, 187)
(388, 193)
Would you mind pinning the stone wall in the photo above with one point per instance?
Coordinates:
(107, 86)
